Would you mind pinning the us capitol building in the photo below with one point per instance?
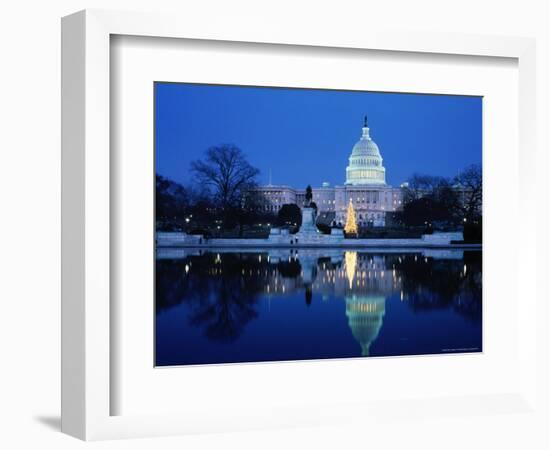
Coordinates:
(365, 187)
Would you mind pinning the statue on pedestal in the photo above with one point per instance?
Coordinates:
(309, 196)
(309, 213)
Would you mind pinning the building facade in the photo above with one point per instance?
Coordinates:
(365, 187)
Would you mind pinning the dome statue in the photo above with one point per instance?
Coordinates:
(365, 162)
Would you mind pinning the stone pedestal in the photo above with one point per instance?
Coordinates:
(309, 235)
(308, 222)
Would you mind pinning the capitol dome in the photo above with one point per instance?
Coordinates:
(365, 162)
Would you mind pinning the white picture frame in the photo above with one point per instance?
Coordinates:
(86, 217)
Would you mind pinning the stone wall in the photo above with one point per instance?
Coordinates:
(436, 240)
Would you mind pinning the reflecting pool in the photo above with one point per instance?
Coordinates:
(221, 306)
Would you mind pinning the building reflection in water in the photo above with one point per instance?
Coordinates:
(365, 305)
(365, 316)
(364, 280)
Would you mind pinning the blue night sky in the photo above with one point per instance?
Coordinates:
(305, 136)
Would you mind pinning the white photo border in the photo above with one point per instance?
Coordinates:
(142, 389)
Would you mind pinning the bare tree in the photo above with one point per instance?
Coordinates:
(420, 185)
(470, 184)
(227, 172)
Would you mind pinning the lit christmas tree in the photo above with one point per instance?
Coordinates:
(351, 223)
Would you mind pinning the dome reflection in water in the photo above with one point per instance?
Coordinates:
(224, 306)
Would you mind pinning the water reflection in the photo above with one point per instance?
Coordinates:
(224, 293)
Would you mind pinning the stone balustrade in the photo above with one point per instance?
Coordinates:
(282, 238)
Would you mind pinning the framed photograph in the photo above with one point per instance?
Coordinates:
(349, 264)
(290, 214)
